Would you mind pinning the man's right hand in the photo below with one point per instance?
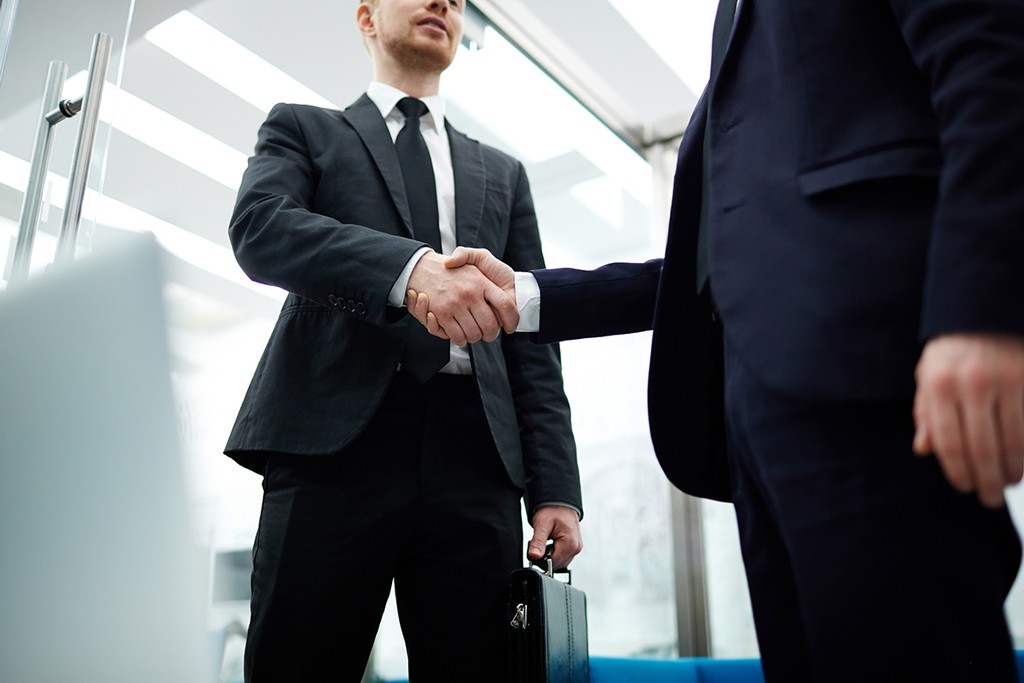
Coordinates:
(464, 301)
(969, 411)
(496, 271)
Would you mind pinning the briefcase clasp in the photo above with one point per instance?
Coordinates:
(519, 618)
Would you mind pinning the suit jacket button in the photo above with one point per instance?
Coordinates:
(361, 308)
(351, 306)
(333, 300)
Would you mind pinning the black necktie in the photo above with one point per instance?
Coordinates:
(424, 354)
(719, 43)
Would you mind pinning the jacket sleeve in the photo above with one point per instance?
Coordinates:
(535, 376)
(971, 53)
(614, 299)
(279, 238)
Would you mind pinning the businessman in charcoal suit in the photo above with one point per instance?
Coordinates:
(848, 212)
(373, 475)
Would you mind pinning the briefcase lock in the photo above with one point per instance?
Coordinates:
(519, 618)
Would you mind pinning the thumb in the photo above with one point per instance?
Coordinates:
(460, 257)
(541, 533)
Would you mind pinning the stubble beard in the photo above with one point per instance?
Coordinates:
(415, 55)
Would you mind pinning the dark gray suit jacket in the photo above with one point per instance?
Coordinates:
(322, 213)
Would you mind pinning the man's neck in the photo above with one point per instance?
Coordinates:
(411, 83)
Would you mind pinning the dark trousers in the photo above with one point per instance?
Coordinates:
(422, 499)
(863, 563)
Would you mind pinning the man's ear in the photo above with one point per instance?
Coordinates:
(364, 20)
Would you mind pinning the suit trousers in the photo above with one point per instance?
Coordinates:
(421, 499)
(863, 563)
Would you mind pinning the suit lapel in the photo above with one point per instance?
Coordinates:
(365, 118)
(470, 186)
(467, 168)
(743, 12)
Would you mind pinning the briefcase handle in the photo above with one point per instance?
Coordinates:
(544, 565)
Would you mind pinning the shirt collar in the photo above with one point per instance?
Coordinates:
(386, 98)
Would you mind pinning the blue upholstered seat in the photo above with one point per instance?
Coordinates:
(688, 670)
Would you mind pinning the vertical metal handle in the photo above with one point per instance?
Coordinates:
(37, 175)
(83, 150)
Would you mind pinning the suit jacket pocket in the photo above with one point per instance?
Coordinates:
(921, 159)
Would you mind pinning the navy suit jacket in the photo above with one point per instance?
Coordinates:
(322, 213)
(866, 193)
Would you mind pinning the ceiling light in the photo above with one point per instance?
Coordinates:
(197, 44)
(186, 245)
(167, 134)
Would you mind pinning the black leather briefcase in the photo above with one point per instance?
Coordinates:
(547, 628)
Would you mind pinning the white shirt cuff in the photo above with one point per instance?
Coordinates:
(528, 302)
(397, 296)
(560, 504)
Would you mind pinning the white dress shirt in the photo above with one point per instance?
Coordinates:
(528, 302)
(435, 136)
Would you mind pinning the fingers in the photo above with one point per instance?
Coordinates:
(1011, 422)
(560, 524)
(947, 435)
(433, 327)
(460, 257)
(505, 308)
(418, 304)
(502, 298)
(497, 272)
(461, 325)
(922, 436)
(982, 446)
(455, 298)
(969, 411)
(417, 308)
(541, 533)
(473, 316)
(470, 326)
(457, 335)
(467, 305)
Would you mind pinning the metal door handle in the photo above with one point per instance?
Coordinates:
(53, 112)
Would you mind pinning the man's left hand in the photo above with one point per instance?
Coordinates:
(560, 524)
(969, 411)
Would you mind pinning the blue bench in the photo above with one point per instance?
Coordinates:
(688, 670)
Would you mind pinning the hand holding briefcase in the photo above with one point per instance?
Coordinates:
(547, 627)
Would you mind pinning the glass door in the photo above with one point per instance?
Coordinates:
(32, 36)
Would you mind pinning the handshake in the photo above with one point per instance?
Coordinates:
(466, 297)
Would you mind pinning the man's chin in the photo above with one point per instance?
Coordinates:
(427, 57)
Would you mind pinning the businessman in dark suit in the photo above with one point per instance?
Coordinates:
(848, 216)
(373, 475)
